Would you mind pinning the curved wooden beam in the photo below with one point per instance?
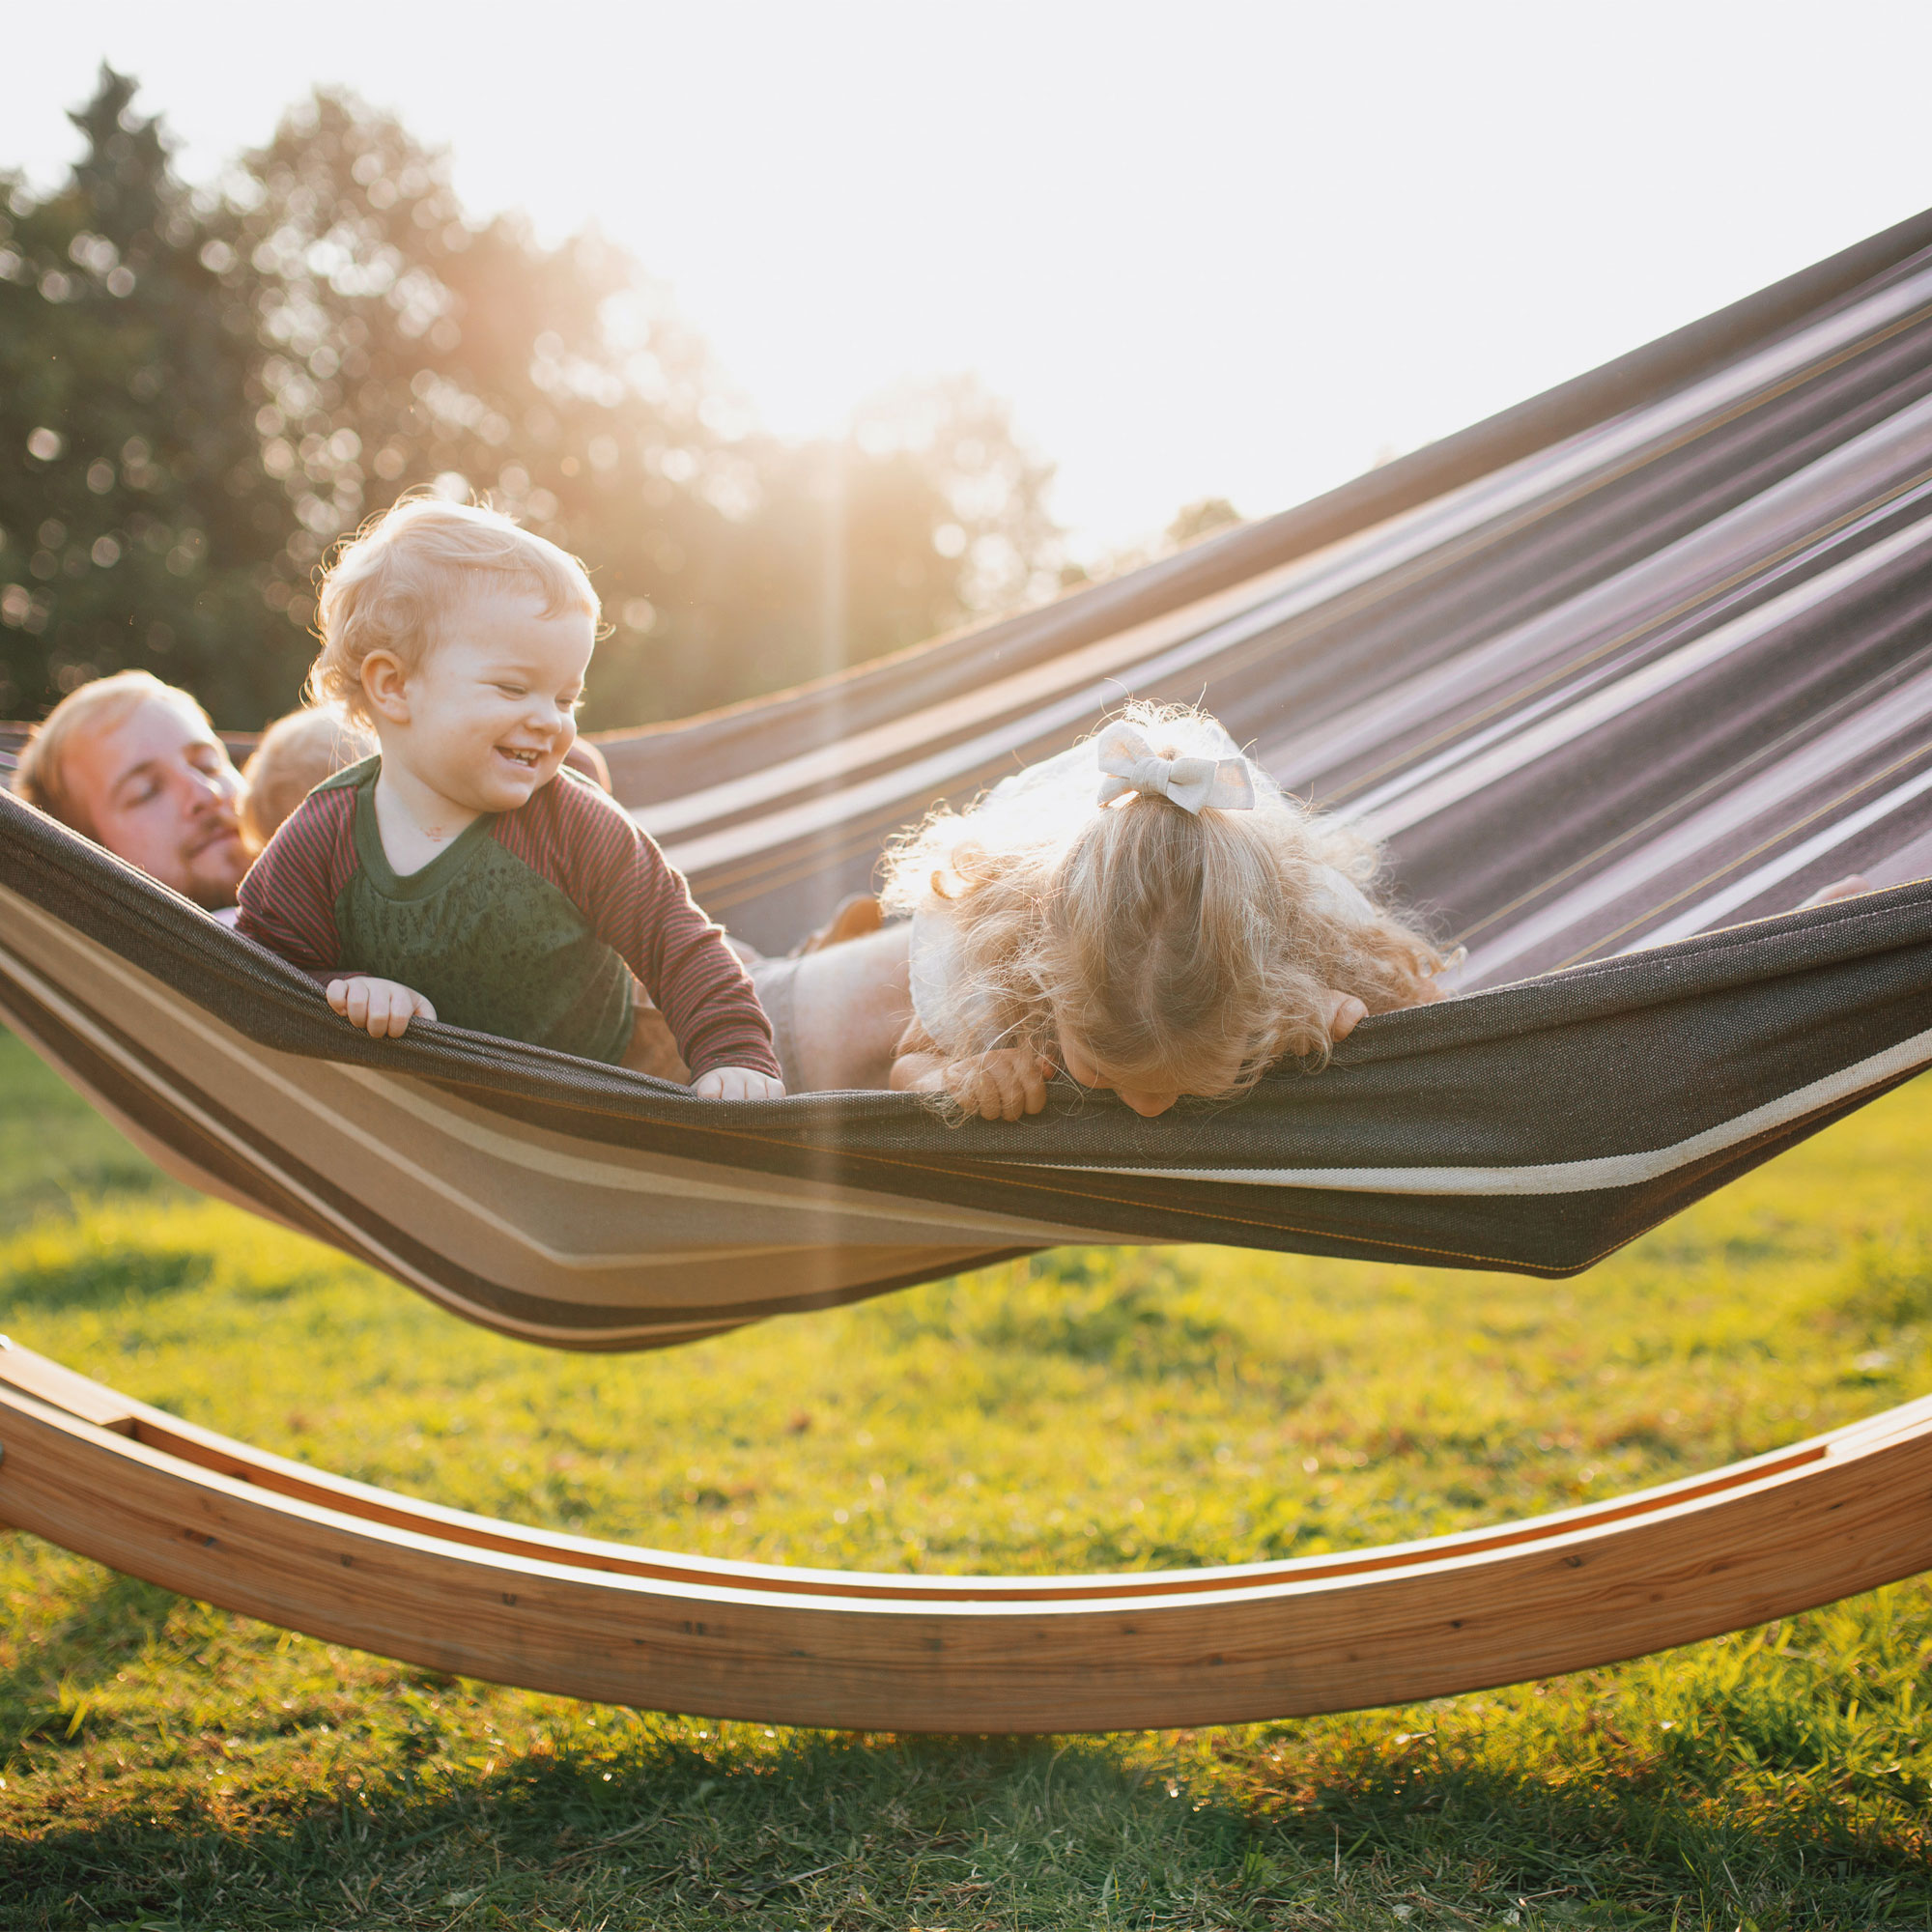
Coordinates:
(147, 1494)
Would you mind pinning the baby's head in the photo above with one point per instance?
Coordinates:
(462, 641)
(1161, 955)
(295, 755)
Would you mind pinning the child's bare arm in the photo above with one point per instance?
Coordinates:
(380, 1007)
(1002, 1085)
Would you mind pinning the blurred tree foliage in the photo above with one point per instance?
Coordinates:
(1193, 523)
(136, 520)
(200, 392)
(1208, 517)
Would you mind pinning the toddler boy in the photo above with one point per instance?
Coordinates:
(463, 872)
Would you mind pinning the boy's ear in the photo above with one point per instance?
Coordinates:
(385, 686)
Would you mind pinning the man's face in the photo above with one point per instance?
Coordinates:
(157, 789)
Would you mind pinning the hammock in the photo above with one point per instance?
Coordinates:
(1620, 674)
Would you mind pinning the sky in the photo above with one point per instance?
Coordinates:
(1217, 248)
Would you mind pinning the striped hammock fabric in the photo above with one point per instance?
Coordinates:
(1622, 676)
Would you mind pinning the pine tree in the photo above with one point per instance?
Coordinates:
(129, 477)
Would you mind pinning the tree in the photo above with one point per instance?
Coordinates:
(409, 347)
(929, 512)
(1190, 523)
(127, 493)
(405, 347)
(205, 394)
(1207, 518)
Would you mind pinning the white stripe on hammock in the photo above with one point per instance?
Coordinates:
(1670, 585)
(1388, 811)
(1754, 885)
(902, 1222)
(1806, 769)
(1570, 1176)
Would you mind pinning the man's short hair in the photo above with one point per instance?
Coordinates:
(99, 705)
(394, 584)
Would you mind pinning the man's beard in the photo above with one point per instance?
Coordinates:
(211, 890)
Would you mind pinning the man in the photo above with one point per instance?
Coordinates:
(134, 765)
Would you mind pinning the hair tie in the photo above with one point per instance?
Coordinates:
(1128, 763)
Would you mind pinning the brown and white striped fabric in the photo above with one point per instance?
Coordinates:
(1621, 676)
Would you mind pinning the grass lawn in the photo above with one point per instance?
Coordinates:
(165, 1765)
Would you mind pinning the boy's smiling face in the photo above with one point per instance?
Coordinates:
(484, 721)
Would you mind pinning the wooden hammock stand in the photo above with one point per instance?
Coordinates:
(149, 1494)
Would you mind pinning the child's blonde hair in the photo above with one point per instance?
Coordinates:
(296, 753)
(1160, 941)
(397, 581)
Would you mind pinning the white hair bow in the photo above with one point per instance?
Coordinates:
(1129, 763)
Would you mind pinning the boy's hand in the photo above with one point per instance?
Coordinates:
(737, 1083)
(380, 1007)
(997, 1086)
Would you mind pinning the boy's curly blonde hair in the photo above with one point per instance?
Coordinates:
(399, 582)
(1159, 941)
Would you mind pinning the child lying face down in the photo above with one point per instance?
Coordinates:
(463, 872)
(1146, 912)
